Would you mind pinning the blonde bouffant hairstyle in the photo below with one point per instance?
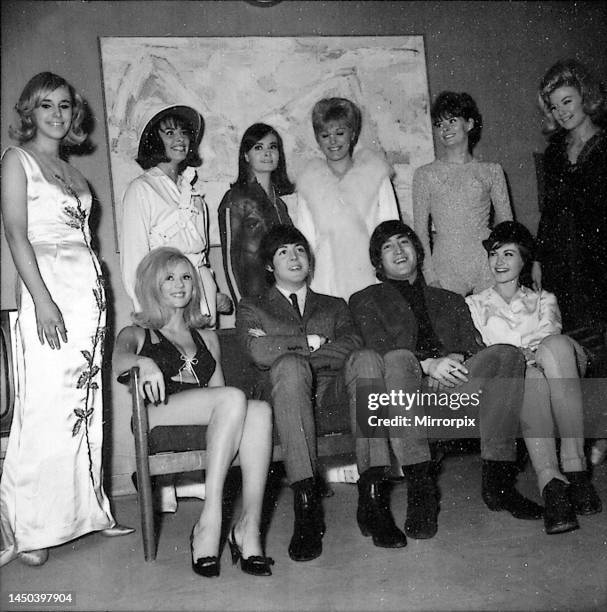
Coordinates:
(37, 88)
(151, 272)
(573, 73)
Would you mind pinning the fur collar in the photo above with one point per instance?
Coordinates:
(364, 178)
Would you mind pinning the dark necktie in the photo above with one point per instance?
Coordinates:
(293, 298)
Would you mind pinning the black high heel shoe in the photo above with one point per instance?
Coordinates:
(208, 567)
(256, 565)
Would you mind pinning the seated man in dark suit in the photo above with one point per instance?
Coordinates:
(305, 347)
(428, 342)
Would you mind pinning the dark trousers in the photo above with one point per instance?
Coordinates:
(299, 396)
(496, 373)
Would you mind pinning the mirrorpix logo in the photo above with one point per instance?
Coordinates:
(441, 414)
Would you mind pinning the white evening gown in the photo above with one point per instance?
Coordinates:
(51, 489)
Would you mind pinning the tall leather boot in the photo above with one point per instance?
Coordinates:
(422, 501)
(306, 542)
(499, 491)
(584, 498)
(373, 514)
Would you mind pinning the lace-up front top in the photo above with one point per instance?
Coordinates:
(173, 363)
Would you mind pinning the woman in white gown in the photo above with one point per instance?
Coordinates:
(51, 489)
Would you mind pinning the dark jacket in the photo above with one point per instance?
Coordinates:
(572, 233)
(246, 213)
(387, 322)
(286, 332)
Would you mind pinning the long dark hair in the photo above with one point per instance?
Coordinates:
(279, 177)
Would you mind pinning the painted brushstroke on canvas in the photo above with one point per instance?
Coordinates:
(234, 82)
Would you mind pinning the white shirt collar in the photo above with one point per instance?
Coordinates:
(301, 294)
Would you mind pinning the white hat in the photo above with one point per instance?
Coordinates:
(192, 118)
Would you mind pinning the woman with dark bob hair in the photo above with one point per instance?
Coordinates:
(455, 193)
(164, 205)
(341, 198)
(572, 233)
(512, 313)
(182, 380)
(251, 207)
(51, 490)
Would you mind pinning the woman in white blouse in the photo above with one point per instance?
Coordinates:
(165, 207)
(511, 313)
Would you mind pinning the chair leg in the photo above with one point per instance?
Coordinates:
(144, 489)
(146, 510)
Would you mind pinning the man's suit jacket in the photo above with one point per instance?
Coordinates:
(286, 331)
(386, 321)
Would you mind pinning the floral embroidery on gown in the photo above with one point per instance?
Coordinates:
(51, 489)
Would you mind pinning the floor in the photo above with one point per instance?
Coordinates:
(479, 560)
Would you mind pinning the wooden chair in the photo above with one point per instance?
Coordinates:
(155, 457)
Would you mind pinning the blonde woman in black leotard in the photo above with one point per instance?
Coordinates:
(181, 378)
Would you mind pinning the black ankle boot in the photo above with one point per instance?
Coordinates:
(583, 495)
(559, 516)
(422, 501)
(373, 513)
(322, 490)
(499, 491)
(306, 543)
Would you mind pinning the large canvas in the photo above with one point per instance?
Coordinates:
(234, 82)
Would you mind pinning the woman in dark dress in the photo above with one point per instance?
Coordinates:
(181, 378)
(572, 234)
(251, 207)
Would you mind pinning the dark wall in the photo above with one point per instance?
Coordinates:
(496, 51)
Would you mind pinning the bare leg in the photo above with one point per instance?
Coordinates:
(538, 428)
(223, 409)
(557, 357)
(255, 453)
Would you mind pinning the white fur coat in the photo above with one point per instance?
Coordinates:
(338, 216)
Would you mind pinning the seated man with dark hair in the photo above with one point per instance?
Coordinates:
(427, 341)
(305, 346)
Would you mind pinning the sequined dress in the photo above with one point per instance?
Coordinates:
(51, 489)
(458, 199)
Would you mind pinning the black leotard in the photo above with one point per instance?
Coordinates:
(170, 361)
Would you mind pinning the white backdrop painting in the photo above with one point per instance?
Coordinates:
(234, 82)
